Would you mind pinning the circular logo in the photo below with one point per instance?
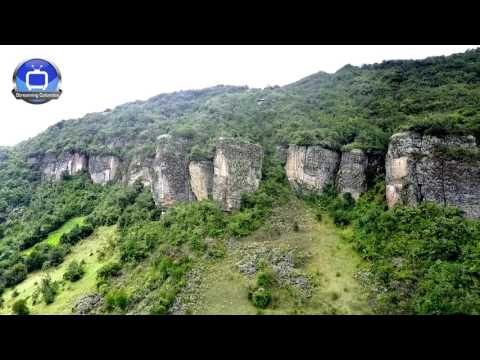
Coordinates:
(36, 81)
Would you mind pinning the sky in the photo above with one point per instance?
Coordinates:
(98, 77)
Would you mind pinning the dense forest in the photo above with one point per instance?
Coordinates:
(425, 258)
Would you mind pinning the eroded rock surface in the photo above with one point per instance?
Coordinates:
(53, 167)
(237, 170)
(201, 179)
(310, 168)
(425, 168)
(103, 169)
(352, 175)
(169, 175)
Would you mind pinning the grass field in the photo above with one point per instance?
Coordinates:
(332, 263)
(88, 250)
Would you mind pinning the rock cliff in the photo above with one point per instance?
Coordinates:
(352, 175)
(54, 167)
(310, 168)
(237, 170)
(103, 169)
(139, 169)
(201, 179)
(429, 168)
(169, 173)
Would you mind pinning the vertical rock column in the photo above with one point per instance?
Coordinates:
(170, 176)
(352, 175)
(237, 170)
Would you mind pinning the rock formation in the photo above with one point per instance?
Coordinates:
(237, 170)
(103, 169)
(352, 175)
(169, 173)
(425, 168)
(310, 168)
(68, 163)
(201, 179)
(139, 169)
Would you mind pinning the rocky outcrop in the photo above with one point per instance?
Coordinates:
(425, 168)
(237, 170)
(310, 168)
(352, 175)
(54, 167)
(201, 179)
(86, 304)
(104, 169)
(169, 173)
(139, 169)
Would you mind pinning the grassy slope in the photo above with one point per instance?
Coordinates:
(54, 237)
(87, 250)
(332, 263)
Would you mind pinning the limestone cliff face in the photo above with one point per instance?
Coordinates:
(237, 170)
(201, 179)
(352, 174)
(169, 173)
(417, 170)
(103, 169)
(139, 169)
(310, 168)
(53, 167)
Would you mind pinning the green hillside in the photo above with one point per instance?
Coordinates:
(347, 257)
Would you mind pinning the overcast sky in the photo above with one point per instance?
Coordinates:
(98, 77)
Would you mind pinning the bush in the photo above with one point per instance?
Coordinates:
(14, 275)
(75, 271)
(266, 278)
(20, 307)
(49, 290)
(109, 270)
(37, 258)
(117, 299)
(261, 298)
(78, 233)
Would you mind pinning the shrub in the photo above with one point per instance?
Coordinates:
(266, 278)
(49, 290)
(14, 275)
(109, 270)
(75, 271)
(20, 307)
(296, 227)
(261, 298)
(37, 258)
(78, 233)
(117, 299)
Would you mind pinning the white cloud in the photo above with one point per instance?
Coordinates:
(98, 77)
